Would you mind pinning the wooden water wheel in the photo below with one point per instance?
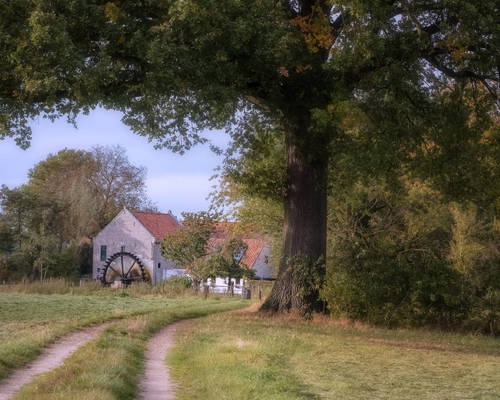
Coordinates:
(125, 268)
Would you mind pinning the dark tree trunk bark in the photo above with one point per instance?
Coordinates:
(302, 268)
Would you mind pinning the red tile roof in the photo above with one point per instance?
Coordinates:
(254, 247)
(254, 241)
(157, 224)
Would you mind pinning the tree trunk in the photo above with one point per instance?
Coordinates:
(302, 268)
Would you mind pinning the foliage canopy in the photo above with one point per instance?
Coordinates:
(192, 247)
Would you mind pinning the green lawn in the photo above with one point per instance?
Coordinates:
(247, 356)
(29, 322)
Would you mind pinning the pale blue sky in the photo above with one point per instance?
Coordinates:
(174, 182)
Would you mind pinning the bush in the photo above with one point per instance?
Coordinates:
(376, 283)
(409, 258)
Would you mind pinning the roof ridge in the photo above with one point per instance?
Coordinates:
(152, 212)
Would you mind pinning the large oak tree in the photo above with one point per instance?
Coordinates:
(300, 68)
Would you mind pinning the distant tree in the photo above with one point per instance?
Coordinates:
(63, 202)
(16, 207)
(251, 187)
(192, 248)
(299, 68)
(189, 245)
(225, 260)
(90, 186)
(6, 236)
(116, 183)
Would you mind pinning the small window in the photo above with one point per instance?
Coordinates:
(238, 254)
(103, 253)
(123, 249)
(159, 265)
(266, 259)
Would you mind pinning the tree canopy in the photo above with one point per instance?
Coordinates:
(188, 246)
(192, 248)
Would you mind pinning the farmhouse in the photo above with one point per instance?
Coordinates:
(128, 248)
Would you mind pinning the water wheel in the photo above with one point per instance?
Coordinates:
(125, 268)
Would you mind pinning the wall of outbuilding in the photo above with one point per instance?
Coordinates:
(123, 230)
(262, 265)
(164, 268)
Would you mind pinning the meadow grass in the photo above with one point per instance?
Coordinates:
(54, 286)
(111, 366)
(244, 355)
(29, 322)
(169, 288)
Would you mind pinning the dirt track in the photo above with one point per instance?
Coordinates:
(51, 358)
(157, 383)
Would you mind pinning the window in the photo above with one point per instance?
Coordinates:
(123, 249)
(266, 259)
(159, 265)
(238, 254)
(103, 253)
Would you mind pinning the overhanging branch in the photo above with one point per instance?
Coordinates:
(463, 74)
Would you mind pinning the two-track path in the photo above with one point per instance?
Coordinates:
(157, 383)
(52, 357)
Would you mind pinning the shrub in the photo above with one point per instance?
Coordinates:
(410, 258)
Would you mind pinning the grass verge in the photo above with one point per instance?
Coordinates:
(174, 287)
(110, 367)
(29, 322)
(251, 356)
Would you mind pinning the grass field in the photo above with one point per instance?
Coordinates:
(29, 322)
(247, 356)
(110, 367)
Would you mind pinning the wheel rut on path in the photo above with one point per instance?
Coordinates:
(52, 357)
(157, 383)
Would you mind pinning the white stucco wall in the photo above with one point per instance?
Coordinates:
(262, 269)
(123, 230)
(126, 230)
(166, 266)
